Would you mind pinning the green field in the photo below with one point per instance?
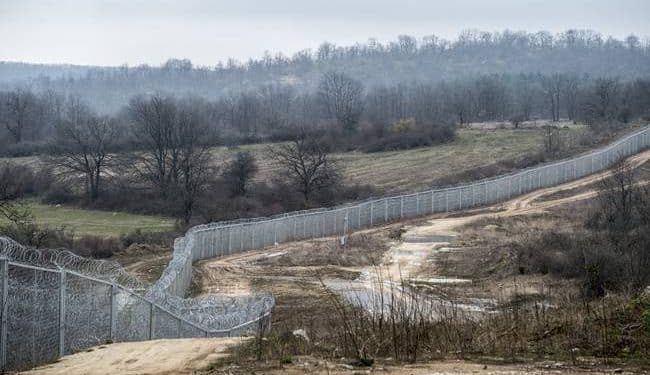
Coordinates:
(94, 222)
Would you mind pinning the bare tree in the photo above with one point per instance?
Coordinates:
(605, 92)
(81, 146)
(174, 155)
(307, 164)
(552, 86)
(570, 90)
(195, 169)
(153, 130)
(622, 212)
(239, 172)
(341, 97)
(15, 111)
(9, 190)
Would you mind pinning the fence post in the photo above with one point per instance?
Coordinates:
(447, 200)
(62, 313)
(372, 206)
(401, 206)
(229, 239)
(359, 216)
(417, 204)
(473, 195)
(4, 269)
(386, 211)
(433, 201)
(114, 291)
(150, 320)
(460, 198)
(509, 187)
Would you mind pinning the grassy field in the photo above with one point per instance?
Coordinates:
(409, 170)
(94, 222)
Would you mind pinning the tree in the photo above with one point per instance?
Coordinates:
(239, 172)
(81, 145)
(173, 155)
(15, 110)
(622, 210)
(307, 165)
(571, 95)
(195, 169)
(605, 93)
(340, 96)
(153, 130)
(552, 86)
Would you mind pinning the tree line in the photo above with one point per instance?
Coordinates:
(429, 59)
(345, 112)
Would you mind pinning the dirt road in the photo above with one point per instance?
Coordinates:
(158, 357)
(240, 274)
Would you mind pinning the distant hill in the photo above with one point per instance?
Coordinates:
(402, 61)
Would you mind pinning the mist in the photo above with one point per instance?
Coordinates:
(149, 32)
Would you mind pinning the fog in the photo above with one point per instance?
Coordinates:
(137, 31)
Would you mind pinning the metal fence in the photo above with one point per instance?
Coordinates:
(224, 238)
(47, 313)
(48, 310)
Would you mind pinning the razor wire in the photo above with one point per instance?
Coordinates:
(98, 301)
(231, 237)
(56, 303)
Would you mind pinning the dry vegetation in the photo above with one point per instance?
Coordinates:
(537, 318)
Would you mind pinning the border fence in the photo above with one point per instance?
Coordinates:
(224, 238)
(48, 310)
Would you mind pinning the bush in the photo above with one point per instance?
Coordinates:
(411, 138)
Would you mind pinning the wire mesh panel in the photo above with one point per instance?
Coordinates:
(189, 331)
(32, 317)
(132, 317)
(164, 325)
(409, 206)
(87, 313)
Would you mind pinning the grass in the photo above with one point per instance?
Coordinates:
(95, 222)
(416, 169)
(411, 170)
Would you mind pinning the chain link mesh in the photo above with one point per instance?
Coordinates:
(47, 312)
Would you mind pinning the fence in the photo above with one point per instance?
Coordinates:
(47, 313)
(218, 239)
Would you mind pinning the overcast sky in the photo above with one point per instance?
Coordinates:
(113, 32)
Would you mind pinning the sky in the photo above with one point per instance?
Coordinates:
(116, 32)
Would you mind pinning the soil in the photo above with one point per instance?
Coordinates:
(184, 356)
(296, 273)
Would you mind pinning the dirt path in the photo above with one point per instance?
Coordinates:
(159, 357)
(404, 259)
(235, 275)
